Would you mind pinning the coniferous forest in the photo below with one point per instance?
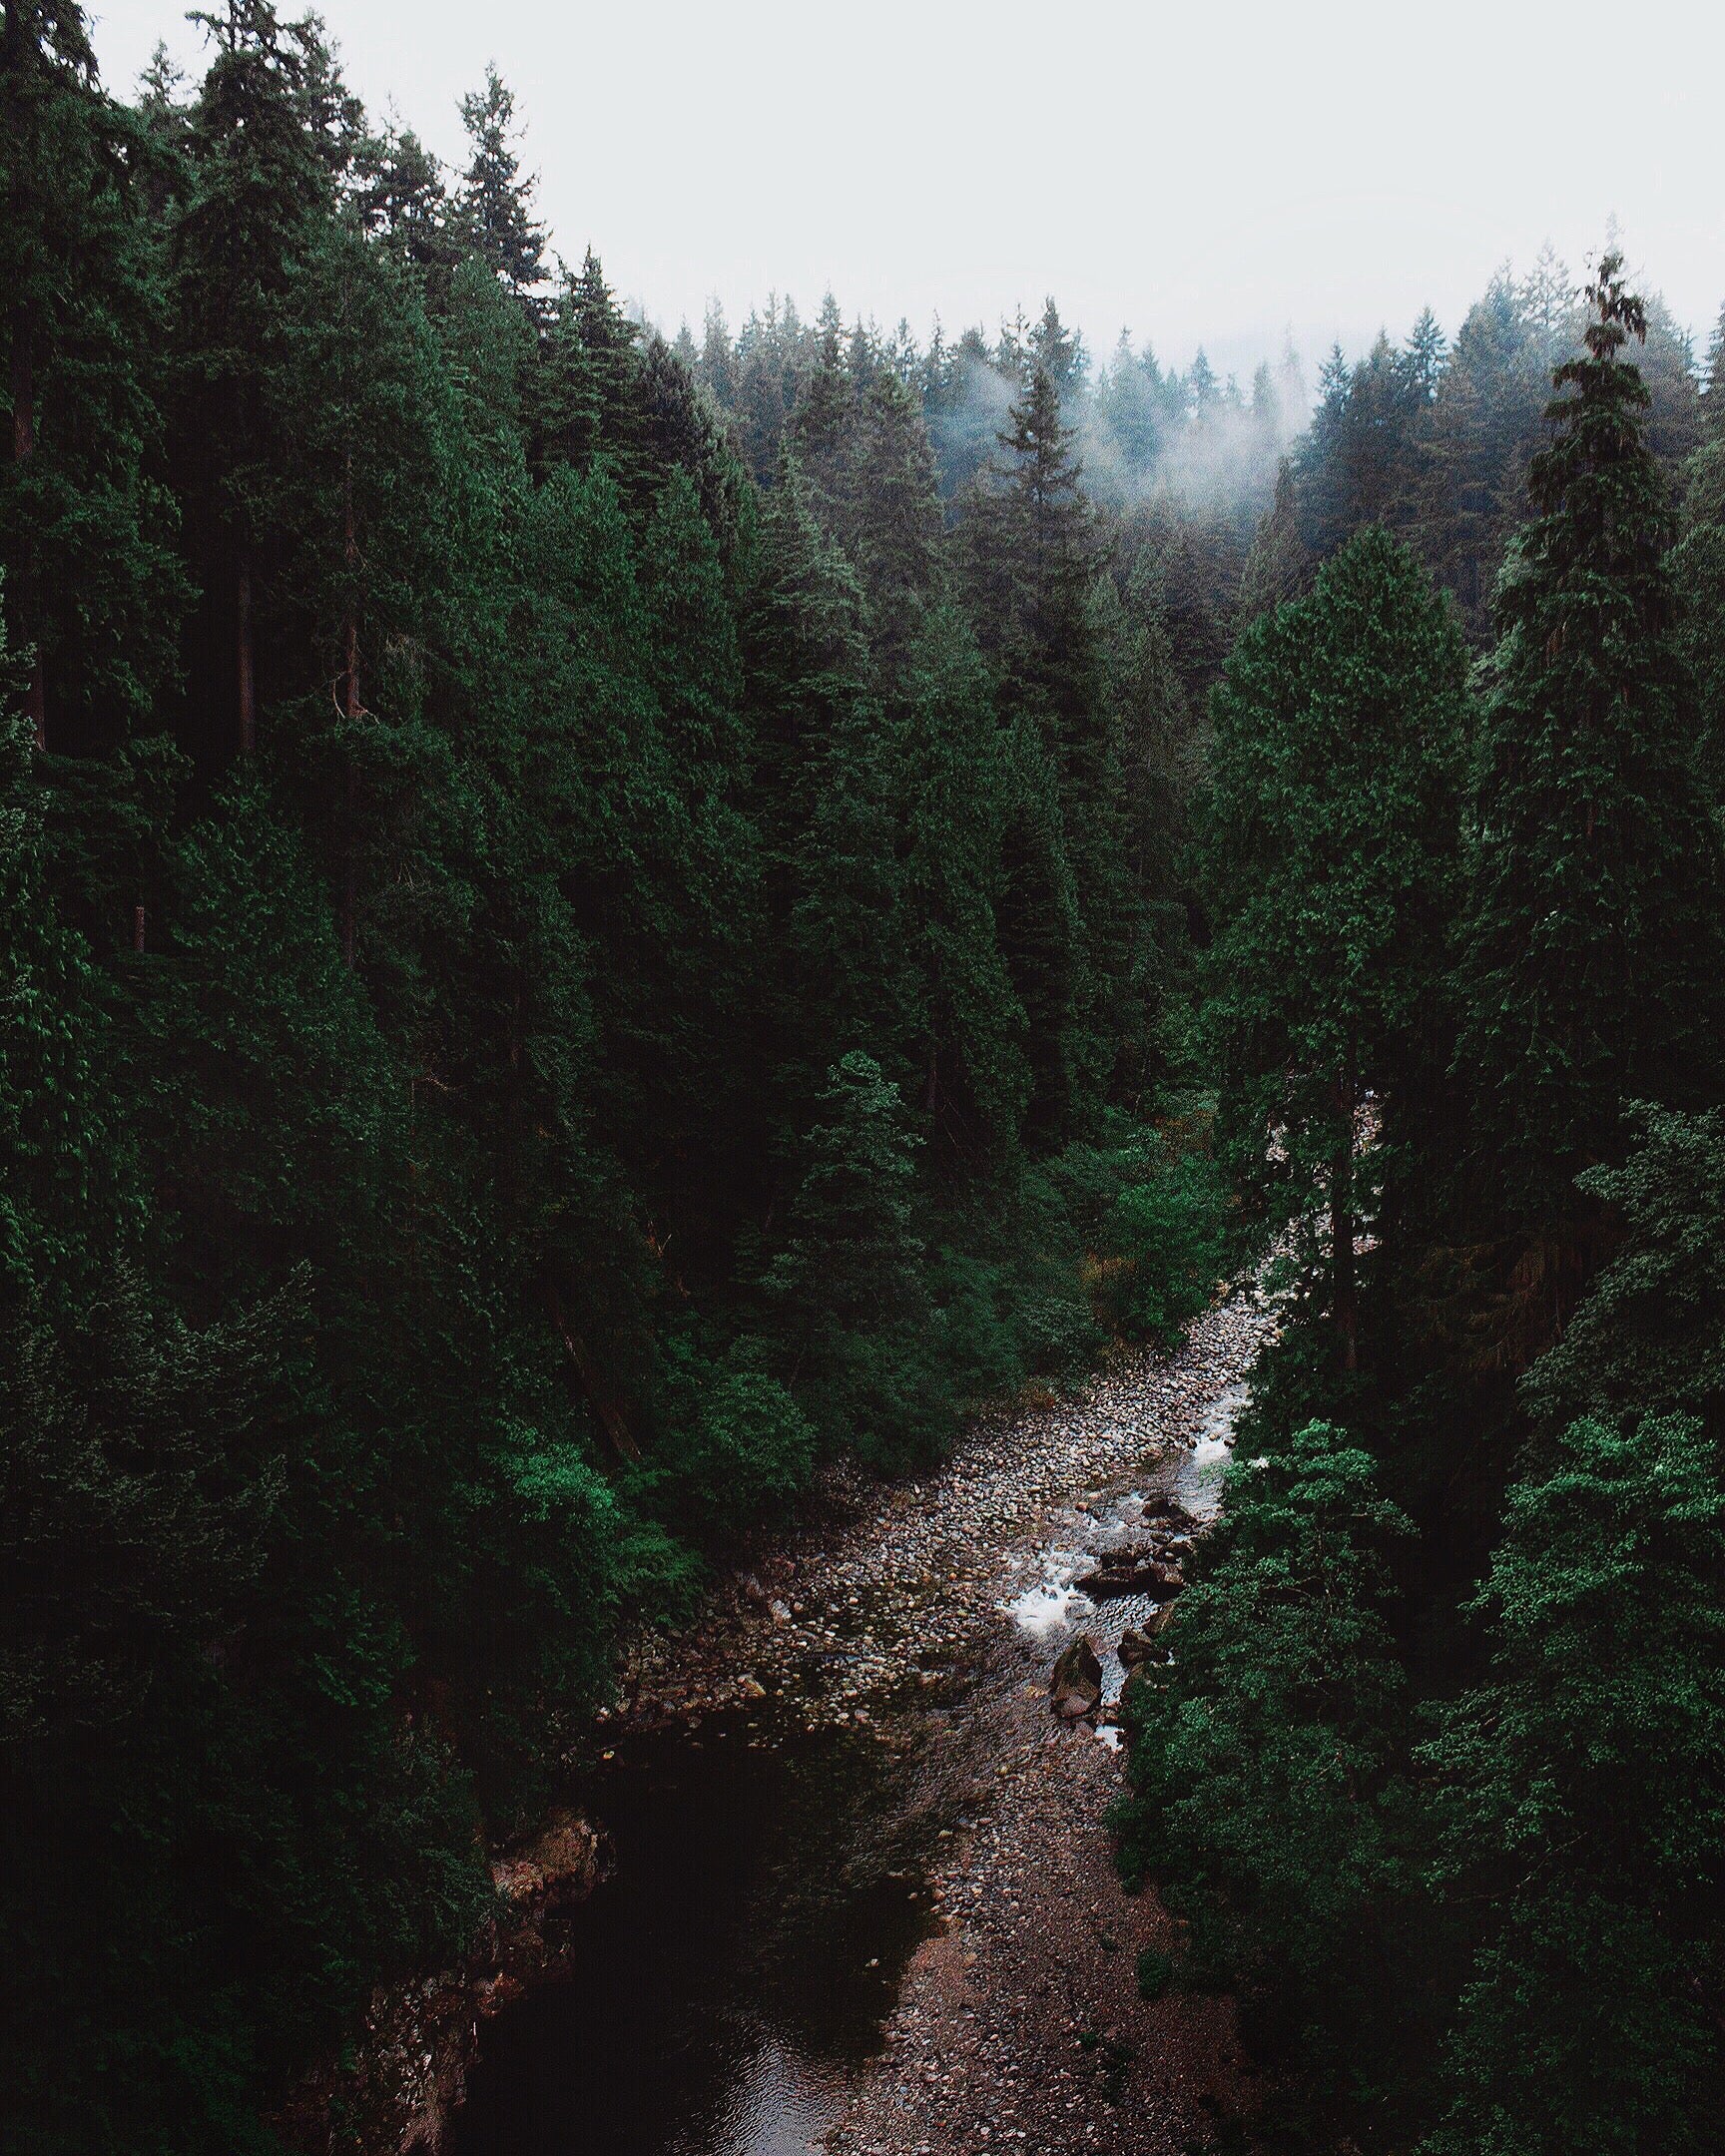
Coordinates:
(594, 923)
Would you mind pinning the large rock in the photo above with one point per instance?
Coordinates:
(1130, 1572)
(1075, 1689)
(1135, 1646)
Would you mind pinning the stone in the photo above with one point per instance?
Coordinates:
(1135, 1646)
(1130, 1572)
(1075, 1689)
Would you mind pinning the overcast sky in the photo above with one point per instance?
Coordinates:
(1200, 174)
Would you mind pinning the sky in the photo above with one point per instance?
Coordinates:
(1221, 175)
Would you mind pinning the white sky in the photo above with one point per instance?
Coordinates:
(1201, 173)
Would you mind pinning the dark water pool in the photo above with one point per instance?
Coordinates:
(736, 1971)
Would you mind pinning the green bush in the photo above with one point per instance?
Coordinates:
(1165, 1246)
(754, 1450)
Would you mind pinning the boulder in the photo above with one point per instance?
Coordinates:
(1135, 1646)
(1075, 1689)
(1137, 1575)
(1126, 1572)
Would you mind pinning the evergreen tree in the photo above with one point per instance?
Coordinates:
(1698, 578)
(1059, 353)
(1131, 411)
(975, 1083)
(1266, 1798)
(1592, 968)
(1278, 566)
(260, 198)
(86, 523)
(495, 204)
(1648, 1337)
(850, 1281)
(1464, 490)
(1584, 1807)
(1332, 851)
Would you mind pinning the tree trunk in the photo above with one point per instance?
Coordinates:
(350, 711)
(23, 387)
(1345, 1305)
(23, 448)
(248, 682)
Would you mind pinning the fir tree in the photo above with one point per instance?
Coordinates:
(1593, 963)
(1266, 1797)
(1584, 1807)
(496, 206)
(1331, 850)
(86, 523)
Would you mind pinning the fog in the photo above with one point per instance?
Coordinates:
(1214, 176)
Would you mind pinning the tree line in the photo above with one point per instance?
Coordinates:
(562, 967)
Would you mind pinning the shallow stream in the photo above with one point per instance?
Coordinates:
(772, 1879)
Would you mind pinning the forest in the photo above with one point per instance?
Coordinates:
(595, 922)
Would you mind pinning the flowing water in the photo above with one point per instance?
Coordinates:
(772, 1879)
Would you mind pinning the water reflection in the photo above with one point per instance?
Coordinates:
(736, 1972)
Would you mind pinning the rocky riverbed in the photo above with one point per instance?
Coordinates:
(926, 1619)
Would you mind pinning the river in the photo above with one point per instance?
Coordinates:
(833, 1811)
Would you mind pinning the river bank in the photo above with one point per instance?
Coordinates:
(918, 1626)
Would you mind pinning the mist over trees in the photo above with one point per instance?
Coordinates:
(594, 923)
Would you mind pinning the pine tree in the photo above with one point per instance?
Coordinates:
(496, 206)
(1698, 580)
(1593, 972)
(260, 199)
(1131, 411)
(1464, 490)
(1332, 851)
(1059, 353)
(1648, 1337)
(975, 1083)
(1713, 382)
(850, 1281)
(86, 524)
(1278, 566)
(1266, 1799)
(1583, 1814)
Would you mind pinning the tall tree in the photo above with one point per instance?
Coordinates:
(495, 204)
(1594, 969)
(1332, 852)
(1585, 1814)
(86, 523)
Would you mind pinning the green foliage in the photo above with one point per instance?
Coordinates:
(1168, 1235)
(1332, 852)
(1268, 1796)
(1649, 1337)
(849, 1286)
(578, 941)
(1582, 1806)
(1588, 819)
(1507, 1937)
